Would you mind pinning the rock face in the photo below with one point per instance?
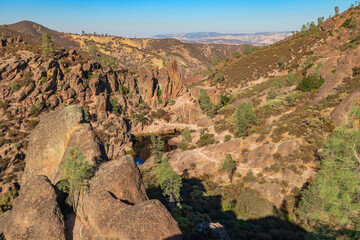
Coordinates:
(36, 213)
(117, 186)
(340, 113)
(114, 207)
(56, 134)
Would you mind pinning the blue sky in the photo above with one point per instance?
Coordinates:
(143, 18)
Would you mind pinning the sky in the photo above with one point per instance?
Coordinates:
(144, 18)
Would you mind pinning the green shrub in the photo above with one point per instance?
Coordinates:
(123, 90)
(205, 102)
(219, 77)
(206, 139)
(76, 177)
(14, 86)
(249, 49)
(171, 102)
(236, 54)
(36, 108)
(115, 105)
(245, 118)
(227, 138)
(215, 61)
(7, 199)
(291, 80)
(228, 164)
(310, 83)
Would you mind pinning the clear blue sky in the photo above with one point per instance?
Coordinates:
(143, 18)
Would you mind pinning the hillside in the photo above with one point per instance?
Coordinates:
(36, 30)
(145, 53)
(265, 38)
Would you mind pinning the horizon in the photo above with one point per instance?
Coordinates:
(144, 19)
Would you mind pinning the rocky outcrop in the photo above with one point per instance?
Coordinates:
(51, 140)
(341, 112)
(36, 214)
(117, 186)
(115, 206)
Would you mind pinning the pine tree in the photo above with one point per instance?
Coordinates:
(336, 10)
(228, 164)
(77, 173)
(333, 197)
(244, 118)
(157, 148)
(47, 44)
(204, 101)
(169, 180)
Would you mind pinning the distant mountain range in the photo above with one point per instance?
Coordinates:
(225, 38)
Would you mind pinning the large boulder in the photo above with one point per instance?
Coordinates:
(56, 134)
(36, 214)
(117, 206)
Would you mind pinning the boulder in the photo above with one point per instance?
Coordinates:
(117, 186)
(56, 134)
(209, 231)
(35, 214)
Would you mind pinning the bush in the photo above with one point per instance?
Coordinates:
(227, 138)
(204, 101)
(236, 54)
(228, 164)
(109, 61)
(123, 90)
(310, 83)
(206, 139)
(244, 118)
(7, 199)
(115, 105)
(76, 176)
(249, 49)
(171, 102)
(219, 77)
(36, 108)
(14, 87)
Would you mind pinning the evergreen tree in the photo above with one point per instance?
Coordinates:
(47, 45)
(77, 173)
(333, 197)
(204, 101)
(336, 10)
(244, 118)
(169, 180)
(157, 148)
(228, 164)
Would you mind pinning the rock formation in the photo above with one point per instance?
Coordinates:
(36, 213)
(114, 207)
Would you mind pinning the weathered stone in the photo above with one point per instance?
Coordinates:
(49, 142)
(36, 214)
(117, 186)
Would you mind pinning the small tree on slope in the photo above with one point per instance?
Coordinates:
(47, 44)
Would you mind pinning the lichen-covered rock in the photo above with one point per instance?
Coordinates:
(36, 214)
